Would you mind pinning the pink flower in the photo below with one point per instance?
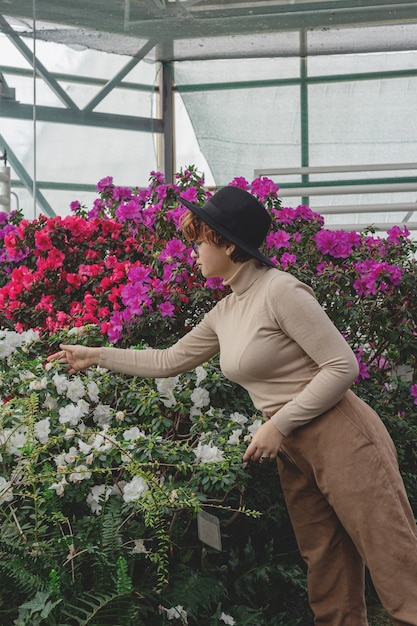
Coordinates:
(413, 393)
(241, 182)
(104, 183)
(336, 243)
(280, 239)
(129, 211)
(215, 283)
(175, 215)
(158, 176)
(288, 259)
(166, 309)
(190, 194)
(264, 188)
(174, 249)
(395, 234)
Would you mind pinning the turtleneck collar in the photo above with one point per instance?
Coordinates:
(244, 277)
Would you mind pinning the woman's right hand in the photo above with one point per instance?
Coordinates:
(76, 357)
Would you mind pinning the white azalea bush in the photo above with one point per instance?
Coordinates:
(102, 476)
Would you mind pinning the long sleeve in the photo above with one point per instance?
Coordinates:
(302, 318)
(196, 347)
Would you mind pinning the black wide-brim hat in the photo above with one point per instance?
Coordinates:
(239, 217)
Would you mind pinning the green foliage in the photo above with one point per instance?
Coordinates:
(102, 475)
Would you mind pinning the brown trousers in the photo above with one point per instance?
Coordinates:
(348, 506)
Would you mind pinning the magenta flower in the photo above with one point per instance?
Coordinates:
(129, 211)
(336, 243)
(166, 309)
(190, 194)
(287, 260)
(174, 249)
(215, 283)
(241, 182)
(395, 234)
(115, 330)
(104, 183)
(75, 206)
(373, 277)
(284, 215)
(363, 367)
(175, 215)
(162, 191)
(139, 273)
(280, 239)
(413, 393)
(264, 188)
(121, 193)
(158, 176)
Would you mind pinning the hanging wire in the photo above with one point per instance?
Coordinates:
(34, 184)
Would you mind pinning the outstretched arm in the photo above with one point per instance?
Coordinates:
(76, 357)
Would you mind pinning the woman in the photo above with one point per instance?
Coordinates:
(337, 463)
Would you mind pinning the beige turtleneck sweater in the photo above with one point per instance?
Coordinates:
(274, 339)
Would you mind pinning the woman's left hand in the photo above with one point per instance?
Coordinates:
(265, 444)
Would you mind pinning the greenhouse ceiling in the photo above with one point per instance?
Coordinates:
(331, 84)
(210, 29)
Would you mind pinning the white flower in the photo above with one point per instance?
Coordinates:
(36, 385)
(166, 388)
(133, 433)
(60, 381)
(10, 341)
(135, 489)
(120, 416)
(59, 487)
(102, 441)
(72, 413)
(15, 440)
(208, 453)
(75, 389)
(201, 375)
(84, 447)
(200, 397)
(102, 414)
(6, 493)
(234, 437)
(42, 430)
(254, 427)
(98, 493)
(177, 612)
(93, 391)
(59, 460)
(139, 547)
(71, 456)
(50, 402)
(227, 619)
(81, 473)
(238, 418)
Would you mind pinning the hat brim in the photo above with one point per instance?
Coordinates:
(202, 213)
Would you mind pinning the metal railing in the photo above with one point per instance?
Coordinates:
(307, 188)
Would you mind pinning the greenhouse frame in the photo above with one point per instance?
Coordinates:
(320, 96)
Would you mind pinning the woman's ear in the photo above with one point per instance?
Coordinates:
(230, 248)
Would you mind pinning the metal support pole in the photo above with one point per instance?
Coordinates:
(5, 188)
(167, 112)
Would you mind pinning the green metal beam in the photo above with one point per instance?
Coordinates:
(39, 68)
(115, 81)
(76, 78)
(26, 180)
(16, 110)
(285, 82)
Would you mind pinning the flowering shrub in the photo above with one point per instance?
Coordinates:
(103, 475)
